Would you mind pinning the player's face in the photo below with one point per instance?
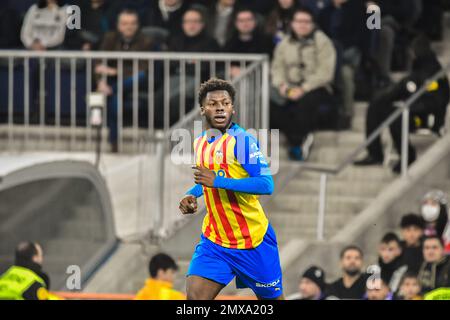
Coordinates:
(218, 109)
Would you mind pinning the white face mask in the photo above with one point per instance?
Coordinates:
(430, 213)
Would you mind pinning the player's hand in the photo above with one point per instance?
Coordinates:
(188, 205)
(204, 176)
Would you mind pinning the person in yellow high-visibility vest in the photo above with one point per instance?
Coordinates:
(162, 275)
(25, 280)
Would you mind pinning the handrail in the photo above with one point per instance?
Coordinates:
(157, 55)
(323, 168)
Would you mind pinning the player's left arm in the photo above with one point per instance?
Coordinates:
(252, 160)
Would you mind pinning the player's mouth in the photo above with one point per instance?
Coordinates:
(220, 118)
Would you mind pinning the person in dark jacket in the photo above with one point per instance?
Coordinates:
(127, 37)
(412, 229)
(9, 27)
(25, 280)
(435, 270)
(166, 14)
(312, 284)
(390, 260)
(352, 284)
(433, 102)
(278, 22)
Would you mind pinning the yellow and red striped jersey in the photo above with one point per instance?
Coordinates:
(233, 219)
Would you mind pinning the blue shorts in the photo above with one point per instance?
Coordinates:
(258, 268)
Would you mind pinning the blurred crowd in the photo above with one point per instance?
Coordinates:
(323, 53)
(413, 264)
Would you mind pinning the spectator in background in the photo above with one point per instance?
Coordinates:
(262, 7)
(127, 37)
(390, 260)
(220, 20)
(409, 288)
(166, 14)
(162, 269)
(352, 285)
(412, 229)
(344, 21)
(278, 22)
(316, 6)
(433, 102)
(246, 38)
(25, 280)
(44, 25)
(95, 23)
(312, 284)
(435, 270)
(379, 290)
(194, 38)
(303, 70)
(9, 27)
(435, 213)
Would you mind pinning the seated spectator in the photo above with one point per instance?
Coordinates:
(246, 38)
(409, 288)
(312, 284)
(303, 70)
(390, 260)
(162, 269)
(127, 38)
(25, 280)
(278, 23)
(433, 102)
(44, 25)
(94, 24)
(352, 285)
(194, 38)
(220, 20)
(9, 27)
(412, 228)
(166, 14)
(379, 290)
(344, 21)
(435, 213)
(435, 270)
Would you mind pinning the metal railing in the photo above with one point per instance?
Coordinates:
(44, 107)
(403, 110)
(45, 94)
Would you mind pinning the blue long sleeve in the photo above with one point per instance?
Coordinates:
(252, 185)
(196, 191)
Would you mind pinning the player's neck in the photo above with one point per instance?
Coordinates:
(223, 131)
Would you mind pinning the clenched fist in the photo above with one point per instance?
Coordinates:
(188, 205)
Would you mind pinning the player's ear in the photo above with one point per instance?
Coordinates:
(202, 110)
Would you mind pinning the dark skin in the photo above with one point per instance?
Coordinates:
(218, 110)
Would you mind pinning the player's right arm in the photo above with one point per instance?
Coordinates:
(188, 205)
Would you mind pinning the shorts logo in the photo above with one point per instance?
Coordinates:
(268, 285)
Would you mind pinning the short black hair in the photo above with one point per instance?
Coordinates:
(389, 237)
(349, 248)
(43, 3)
(435, 237)
(199, 9)
(412, 220)
(215, 84)
(161, 261)
(303, 9)
(25, 251)
(129, 11)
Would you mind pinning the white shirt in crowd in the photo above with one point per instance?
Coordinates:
(48, 25)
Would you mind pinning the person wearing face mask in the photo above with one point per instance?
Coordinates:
(435, 270)
(352, 284)
(435, 213)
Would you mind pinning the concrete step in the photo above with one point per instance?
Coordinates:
(335, 187)
(353, 173)
(85, 213)
(81, 230)
(304, 220)
(299, 203)
(77, 247)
